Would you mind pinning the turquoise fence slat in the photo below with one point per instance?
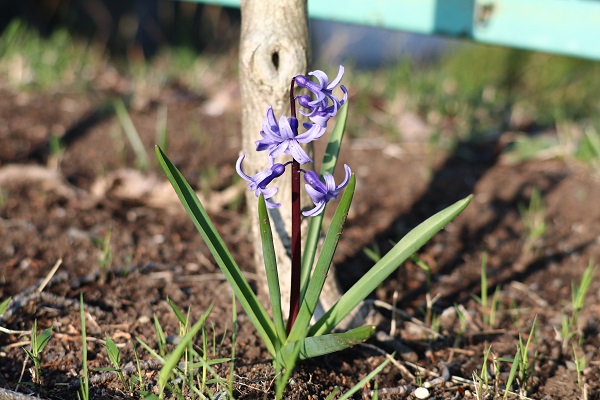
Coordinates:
(570, 27)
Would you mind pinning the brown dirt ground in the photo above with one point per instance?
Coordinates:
(50, 213)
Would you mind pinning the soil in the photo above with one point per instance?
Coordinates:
(62, 204)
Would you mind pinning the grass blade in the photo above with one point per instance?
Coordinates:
(142, 160)
(266, 236)
(327, 167)
(320, 345)
(4, 306)
(84, 382)
(384, 268)
(313, 291)
(213, 240)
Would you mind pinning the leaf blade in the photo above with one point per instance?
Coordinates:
(270, 261)
(316, 346)
(311, 297)
(232, 272)
(388, 264)
(328, 164)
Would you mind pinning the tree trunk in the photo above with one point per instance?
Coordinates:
(274, 48)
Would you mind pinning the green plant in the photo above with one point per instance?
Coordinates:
(105, 255)
(489, 309)
(580, 364)
(84, 382)
(142, 160)
(482, 380)
(570, 324)
(57, 149)
(522, 366)
(38, 343)
(297, 340)
(188, 369)
(114, 356)
(534, 221)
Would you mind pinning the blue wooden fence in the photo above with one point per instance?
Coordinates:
(569, 27)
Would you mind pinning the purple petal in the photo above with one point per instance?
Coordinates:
(278, 150)
(346, 179)
(314, 132)
(238, 168)
(270, 204)
(315, 195)
(285, 129)
(298, 152)
(337, 79)
(322, 77)
(270, 192)
(329, 182)
(270, 118)
(315, 211)
(264, 144)
(345, 98)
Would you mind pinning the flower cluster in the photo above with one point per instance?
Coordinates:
(281, 137)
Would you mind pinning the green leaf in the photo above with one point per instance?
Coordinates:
(266, 236)
(173, 360)
(317, 280)
(113, 352)
(43, 339)
(257, 314)
(183, 320)
(316, 346)
(161, 341)
(4, 306)
(327, 167)
(384, 268)
(513, 372)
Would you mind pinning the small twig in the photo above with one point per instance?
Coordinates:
(212, 277)
(440, 379)
(531, 294)
(6, 394)
(22, 301)
(403, 390)
(393, 324)
(12, 332)
(50, 275)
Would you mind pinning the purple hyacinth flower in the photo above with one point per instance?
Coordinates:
(283, 138)
(258, 183)
(323, 93)
(320, 193)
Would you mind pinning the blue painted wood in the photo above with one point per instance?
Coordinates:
(570, 27)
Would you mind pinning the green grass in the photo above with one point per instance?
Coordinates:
(476, 89)
(29, 60)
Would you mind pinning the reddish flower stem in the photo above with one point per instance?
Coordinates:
(296, 242)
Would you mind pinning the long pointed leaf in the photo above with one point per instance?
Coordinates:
(384, 268)
(271, 269)
(315, 285)
(316, 346)
(327, 167)
(240, 286)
